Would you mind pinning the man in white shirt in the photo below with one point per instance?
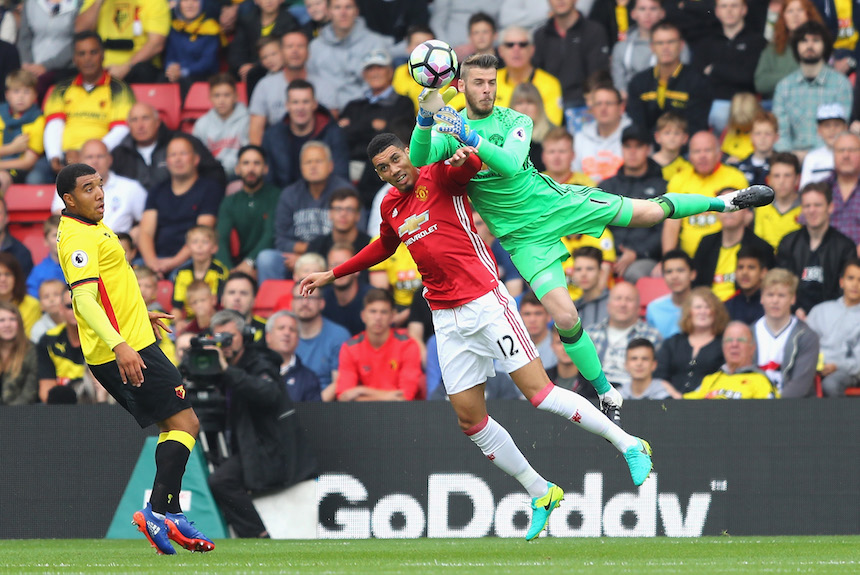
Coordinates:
(124, 198)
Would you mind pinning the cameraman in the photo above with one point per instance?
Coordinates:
(268, 450)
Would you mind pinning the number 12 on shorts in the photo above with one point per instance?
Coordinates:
(508, 346)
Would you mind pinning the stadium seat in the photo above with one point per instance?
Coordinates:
(163, 97)
(852, 392)
(33, 237)
(197, 103)
(29, 203)
(649, 290)
(272, 297)
(165, 294)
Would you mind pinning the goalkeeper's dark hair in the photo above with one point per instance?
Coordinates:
(380, 142)
(483, 61)
(67, 179)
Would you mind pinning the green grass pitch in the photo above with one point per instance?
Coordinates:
(702, 556)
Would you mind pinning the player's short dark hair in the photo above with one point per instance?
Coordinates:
(678, 255)
(786, 158)
(823, 187)
(380, 143)
(87, 35)
(812, 28)
(589, 252)
(300, 84)
(242, 276)
(482, 61)
(641, 342)
(67, 179)
(341, 194)
(478, 17)
(750, 252)
(252, 148)
(852, 261)
(530, 298)
(378, 294)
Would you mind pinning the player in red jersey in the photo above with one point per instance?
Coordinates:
(475, 319)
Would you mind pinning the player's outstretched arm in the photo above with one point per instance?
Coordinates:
(423, 147)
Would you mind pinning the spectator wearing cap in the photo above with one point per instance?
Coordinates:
(818, 164)
(375, 112)
(798, 95)
(516, 50)
(845, 181)
(639, 177)
(336, 55)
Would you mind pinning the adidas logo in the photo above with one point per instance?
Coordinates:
(153, 528)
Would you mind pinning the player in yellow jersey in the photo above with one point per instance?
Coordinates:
(118, 338)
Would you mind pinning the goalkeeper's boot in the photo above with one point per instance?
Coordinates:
(639, 461)
(541, 509)
(183, 532)
(154, 529)
(751, 197)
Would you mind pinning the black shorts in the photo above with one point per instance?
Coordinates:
(161, 395)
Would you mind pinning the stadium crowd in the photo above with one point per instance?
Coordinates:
(231, 137)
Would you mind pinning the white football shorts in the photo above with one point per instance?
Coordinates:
(471, 336)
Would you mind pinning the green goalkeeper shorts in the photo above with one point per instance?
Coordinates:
(537, 246)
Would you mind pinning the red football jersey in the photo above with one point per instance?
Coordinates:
(435, 223)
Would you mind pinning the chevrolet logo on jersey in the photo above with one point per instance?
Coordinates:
(413, 223)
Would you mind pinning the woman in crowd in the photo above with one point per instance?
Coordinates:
(685, 358)
(18, 367)
(13, 289)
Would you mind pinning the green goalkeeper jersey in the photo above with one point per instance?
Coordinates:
(508, 192)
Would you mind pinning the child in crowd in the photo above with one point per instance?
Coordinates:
(752, 266)
(818, 163)
(48, 268)
(202, 303)
(763, 135)
(318, 14)
(736, 142)
(203, 243)
(605, 243)
(591, 304)
(778, 219)
(21, 127)
(224, 128)
(269, 52)
(131, 255)
(671, 135)
(640, 363)
(192, 46)
(148, 282)
(51, 301)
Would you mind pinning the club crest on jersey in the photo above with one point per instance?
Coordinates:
(80, 258)
(180, 391)
(413, 223)
(421, 192)
(394, 213)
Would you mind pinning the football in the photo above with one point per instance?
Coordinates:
(433, 64)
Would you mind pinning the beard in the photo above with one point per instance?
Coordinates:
(479, 108)
(810, 58)
(251, 181)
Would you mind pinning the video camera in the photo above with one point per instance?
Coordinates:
(201, 370)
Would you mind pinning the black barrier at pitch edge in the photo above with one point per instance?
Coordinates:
(782, 467)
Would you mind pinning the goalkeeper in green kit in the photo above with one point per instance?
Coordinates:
(529, 212)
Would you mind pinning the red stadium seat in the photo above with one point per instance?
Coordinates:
(165, 294)
(852, 392)
(29, 203)
(271, 296)
(163, 97)
(33, 237)
(197, 102)
(649, 290)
